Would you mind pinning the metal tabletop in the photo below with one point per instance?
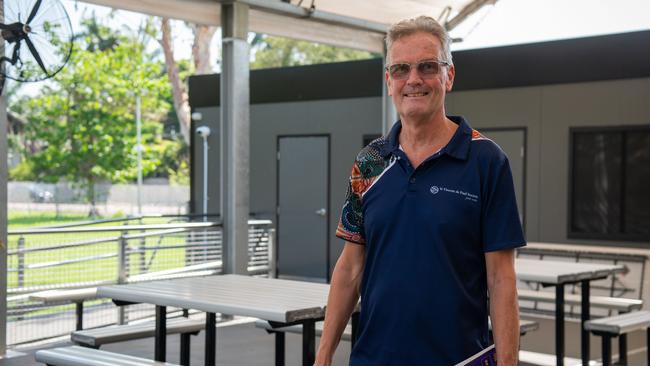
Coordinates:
(558, 272)
(275, 300)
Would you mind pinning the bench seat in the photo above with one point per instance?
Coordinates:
(545, 359)
(525, 326)
(73, 295)
(119, 333)
(82, 356)
(620, 304)
(620, 324)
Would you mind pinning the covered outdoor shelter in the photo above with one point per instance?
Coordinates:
(357, 24)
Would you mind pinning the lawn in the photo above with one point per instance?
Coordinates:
(89, 262)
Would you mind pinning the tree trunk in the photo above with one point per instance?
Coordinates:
(181, 104)
(203, 35)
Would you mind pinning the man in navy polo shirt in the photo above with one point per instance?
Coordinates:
(430, 223)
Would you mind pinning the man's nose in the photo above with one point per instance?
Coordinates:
(414, 76)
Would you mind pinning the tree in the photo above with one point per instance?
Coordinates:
(200, 54)
(82, 122)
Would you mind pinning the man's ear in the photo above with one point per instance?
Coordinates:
(451, 73)
(388, 81)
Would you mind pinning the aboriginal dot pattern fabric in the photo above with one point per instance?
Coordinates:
(366, 171)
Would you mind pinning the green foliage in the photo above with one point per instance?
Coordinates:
(81, 127)
(279, 52)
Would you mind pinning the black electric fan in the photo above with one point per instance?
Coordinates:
(37, 40)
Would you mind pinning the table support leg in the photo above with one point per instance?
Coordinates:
(647, 340)
(355, 328)
(607, 350)
(559, 324)
(622, 350)
(584, 316)
(210, 339)
(308, 342)
(185, 349)
(79, 307)
(161, 333)
(279, 348)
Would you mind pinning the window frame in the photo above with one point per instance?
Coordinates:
(624, 129)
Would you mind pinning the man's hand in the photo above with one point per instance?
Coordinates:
(504, 308)
(343, 297)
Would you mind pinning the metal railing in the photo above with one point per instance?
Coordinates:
(90, 255)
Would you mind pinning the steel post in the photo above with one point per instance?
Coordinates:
(21, 262)
(559, 324)
(584, 316)
(279, 348)
(210, 339)
(3, 212)
(272, 254)
(607, 350)
(235, 138)
(308, 342)
(160, 346)
(121, 272)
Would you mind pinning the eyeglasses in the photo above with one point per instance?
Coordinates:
(426, 69)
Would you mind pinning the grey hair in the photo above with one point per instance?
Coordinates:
(424, 24)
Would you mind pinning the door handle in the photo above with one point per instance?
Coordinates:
(321, 212)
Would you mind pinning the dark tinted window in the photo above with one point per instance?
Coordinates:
(609, 184)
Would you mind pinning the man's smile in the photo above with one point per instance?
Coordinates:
(413, 95)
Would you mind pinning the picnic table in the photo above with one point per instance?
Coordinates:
(281, 302)
(560, 274)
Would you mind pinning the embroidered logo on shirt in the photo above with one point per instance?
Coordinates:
(468, 196)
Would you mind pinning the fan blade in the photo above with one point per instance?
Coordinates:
(31, 47)
(34, 11)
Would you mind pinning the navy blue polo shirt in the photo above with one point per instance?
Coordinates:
(426, 232)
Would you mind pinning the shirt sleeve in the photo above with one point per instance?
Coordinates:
(500, 224)
(350, 226)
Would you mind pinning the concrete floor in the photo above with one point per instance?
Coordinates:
(237, 345)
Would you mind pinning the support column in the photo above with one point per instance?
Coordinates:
(235, 103)
(389, 114)
(3, 211)
(3, 222)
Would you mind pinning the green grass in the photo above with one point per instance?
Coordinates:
(87, 271)
(25, 219)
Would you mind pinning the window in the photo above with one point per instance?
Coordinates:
(610, 183)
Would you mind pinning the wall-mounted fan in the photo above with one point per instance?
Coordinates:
(37, 38)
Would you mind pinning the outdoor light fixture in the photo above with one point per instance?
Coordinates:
(204, 132)
(196, 116)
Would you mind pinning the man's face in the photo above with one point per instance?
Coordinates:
(419, 96)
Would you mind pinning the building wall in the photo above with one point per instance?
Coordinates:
(548, 112)
(346, 121)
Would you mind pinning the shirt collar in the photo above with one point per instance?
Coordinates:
(458, 146)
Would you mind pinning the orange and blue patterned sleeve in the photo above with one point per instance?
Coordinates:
(350, 226)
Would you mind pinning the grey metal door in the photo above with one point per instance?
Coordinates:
(303, 212)
(513, 143)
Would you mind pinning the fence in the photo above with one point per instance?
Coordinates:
(95, 254)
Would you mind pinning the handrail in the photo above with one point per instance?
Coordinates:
(190, 225)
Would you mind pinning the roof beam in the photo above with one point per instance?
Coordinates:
(269, 17)
(466, 12)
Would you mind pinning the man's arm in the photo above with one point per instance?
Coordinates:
(504, 308)
(343, 297)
